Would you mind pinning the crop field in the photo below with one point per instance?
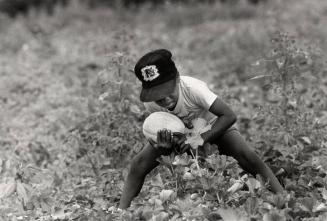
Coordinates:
(71, 119)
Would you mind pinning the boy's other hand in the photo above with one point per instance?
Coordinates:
(165, 142)
(187, 120)
(179, 141)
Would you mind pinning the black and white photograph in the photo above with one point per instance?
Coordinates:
(163, 110)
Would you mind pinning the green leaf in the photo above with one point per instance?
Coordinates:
(306, 140)
(162, 216)
(157, 181)
(252, 184)
(188, 176)
(251, 205)
(156, 202)
(60, 214)
(319, 207)
(258, 77)
(230, 215)
(235, 187)
(1, 162)
(279, 200)
(166, 160)
(273, 216)
(8, 188)
(182, 160)
(22, 193)
(217, 161)
(307, 203)
(166, 195)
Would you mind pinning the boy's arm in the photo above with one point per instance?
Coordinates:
(226, 118)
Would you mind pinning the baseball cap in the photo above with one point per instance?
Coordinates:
(158, 74)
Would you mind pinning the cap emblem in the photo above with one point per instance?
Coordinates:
(150, 72)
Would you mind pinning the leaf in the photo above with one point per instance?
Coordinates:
(307, 204)
(182, 160)
(320, 207)
(156, 202)
(217, 161)
(166, 195)
(60, 214)
(21, 192)
(100, 203)
(273, 216)
(230, 215)
(194, 196)
(256, 63)
(280, 62)
(251, 205)
(195, 141)
(287, 138)
(162, 216)
(279, 200)
(193, 136)
(260, 77)
(188, 176)
(252, 184)
(135, 109)
(235, 187)
(157, 181)
(324, 194)
(200, 125)
(166, 160)
(306, 140)
(8, 188)
(1, 162)
(103, 96)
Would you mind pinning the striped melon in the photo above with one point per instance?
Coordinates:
(159, 121)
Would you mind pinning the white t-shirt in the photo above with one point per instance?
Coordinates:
(194, 101)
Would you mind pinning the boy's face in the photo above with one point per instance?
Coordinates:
(170, 101)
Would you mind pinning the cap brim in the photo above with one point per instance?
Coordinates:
(158, 92)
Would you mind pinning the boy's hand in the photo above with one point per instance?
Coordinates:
(179, 141)
(165, 142)
(187, 120)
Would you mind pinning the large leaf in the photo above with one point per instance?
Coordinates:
(157, 181)
(273, 216)
(166, 195)
(8, 188)
(235, 187)
(60, 214)
(230, 215)
(251, 205)
(22, 192)
(252, 184)
(162, 216)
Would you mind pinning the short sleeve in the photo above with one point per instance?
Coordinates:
(203, 96)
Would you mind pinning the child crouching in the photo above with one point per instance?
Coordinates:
(163, 89)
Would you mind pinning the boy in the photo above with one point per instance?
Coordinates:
(186, 97)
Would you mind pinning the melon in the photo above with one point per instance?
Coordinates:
(159, 121)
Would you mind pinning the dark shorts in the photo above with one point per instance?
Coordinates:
(216, 143)
(211, 148)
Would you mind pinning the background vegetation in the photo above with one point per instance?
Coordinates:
(70, 118)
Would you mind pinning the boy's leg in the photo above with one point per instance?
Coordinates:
(141, 165)
(233, 144)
